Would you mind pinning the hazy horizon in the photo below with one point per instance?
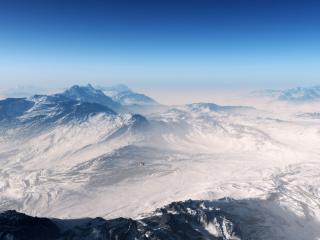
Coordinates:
(143, 44)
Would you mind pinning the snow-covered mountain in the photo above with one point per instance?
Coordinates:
(41, 112)
(297, 94)
(125, 96)
(300, 94)
(12, 108)
(217, 108)
(91, 95)
(69, 155)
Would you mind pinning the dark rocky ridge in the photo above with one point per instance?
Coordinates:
(14, 225)
(224, 219)
(179, 220)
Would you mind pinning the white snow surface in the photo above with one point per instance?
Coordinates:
(104, 167)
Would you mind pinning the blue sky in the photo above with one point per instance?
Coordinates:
(231, 43)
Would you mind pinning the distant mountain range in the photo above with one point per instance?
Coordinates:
(297, 94)
(78, 103)
(215, 107)
(125, 96)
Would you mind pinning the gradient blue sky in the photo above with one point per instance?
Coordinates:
(199, 43)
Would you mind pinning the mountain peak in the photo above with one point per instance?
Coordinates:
(120, 88)
(91, 95)
(300, 94)
(76, 89)
(115, 89)
(90, 86)
(126, 97)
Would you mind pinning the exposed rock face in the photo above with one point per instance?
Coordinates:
(179, 220)
(224, 219)
(14, 226)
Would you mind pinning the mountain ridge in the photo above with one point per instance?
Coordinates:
(295, 94)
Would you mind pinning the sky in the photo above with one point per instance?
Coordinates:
(160, 44)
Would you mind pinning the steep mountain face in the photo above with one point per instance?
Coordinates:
(12, 108)
(41, 112)
(91, 95)
(61, 107)
(125, 96)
